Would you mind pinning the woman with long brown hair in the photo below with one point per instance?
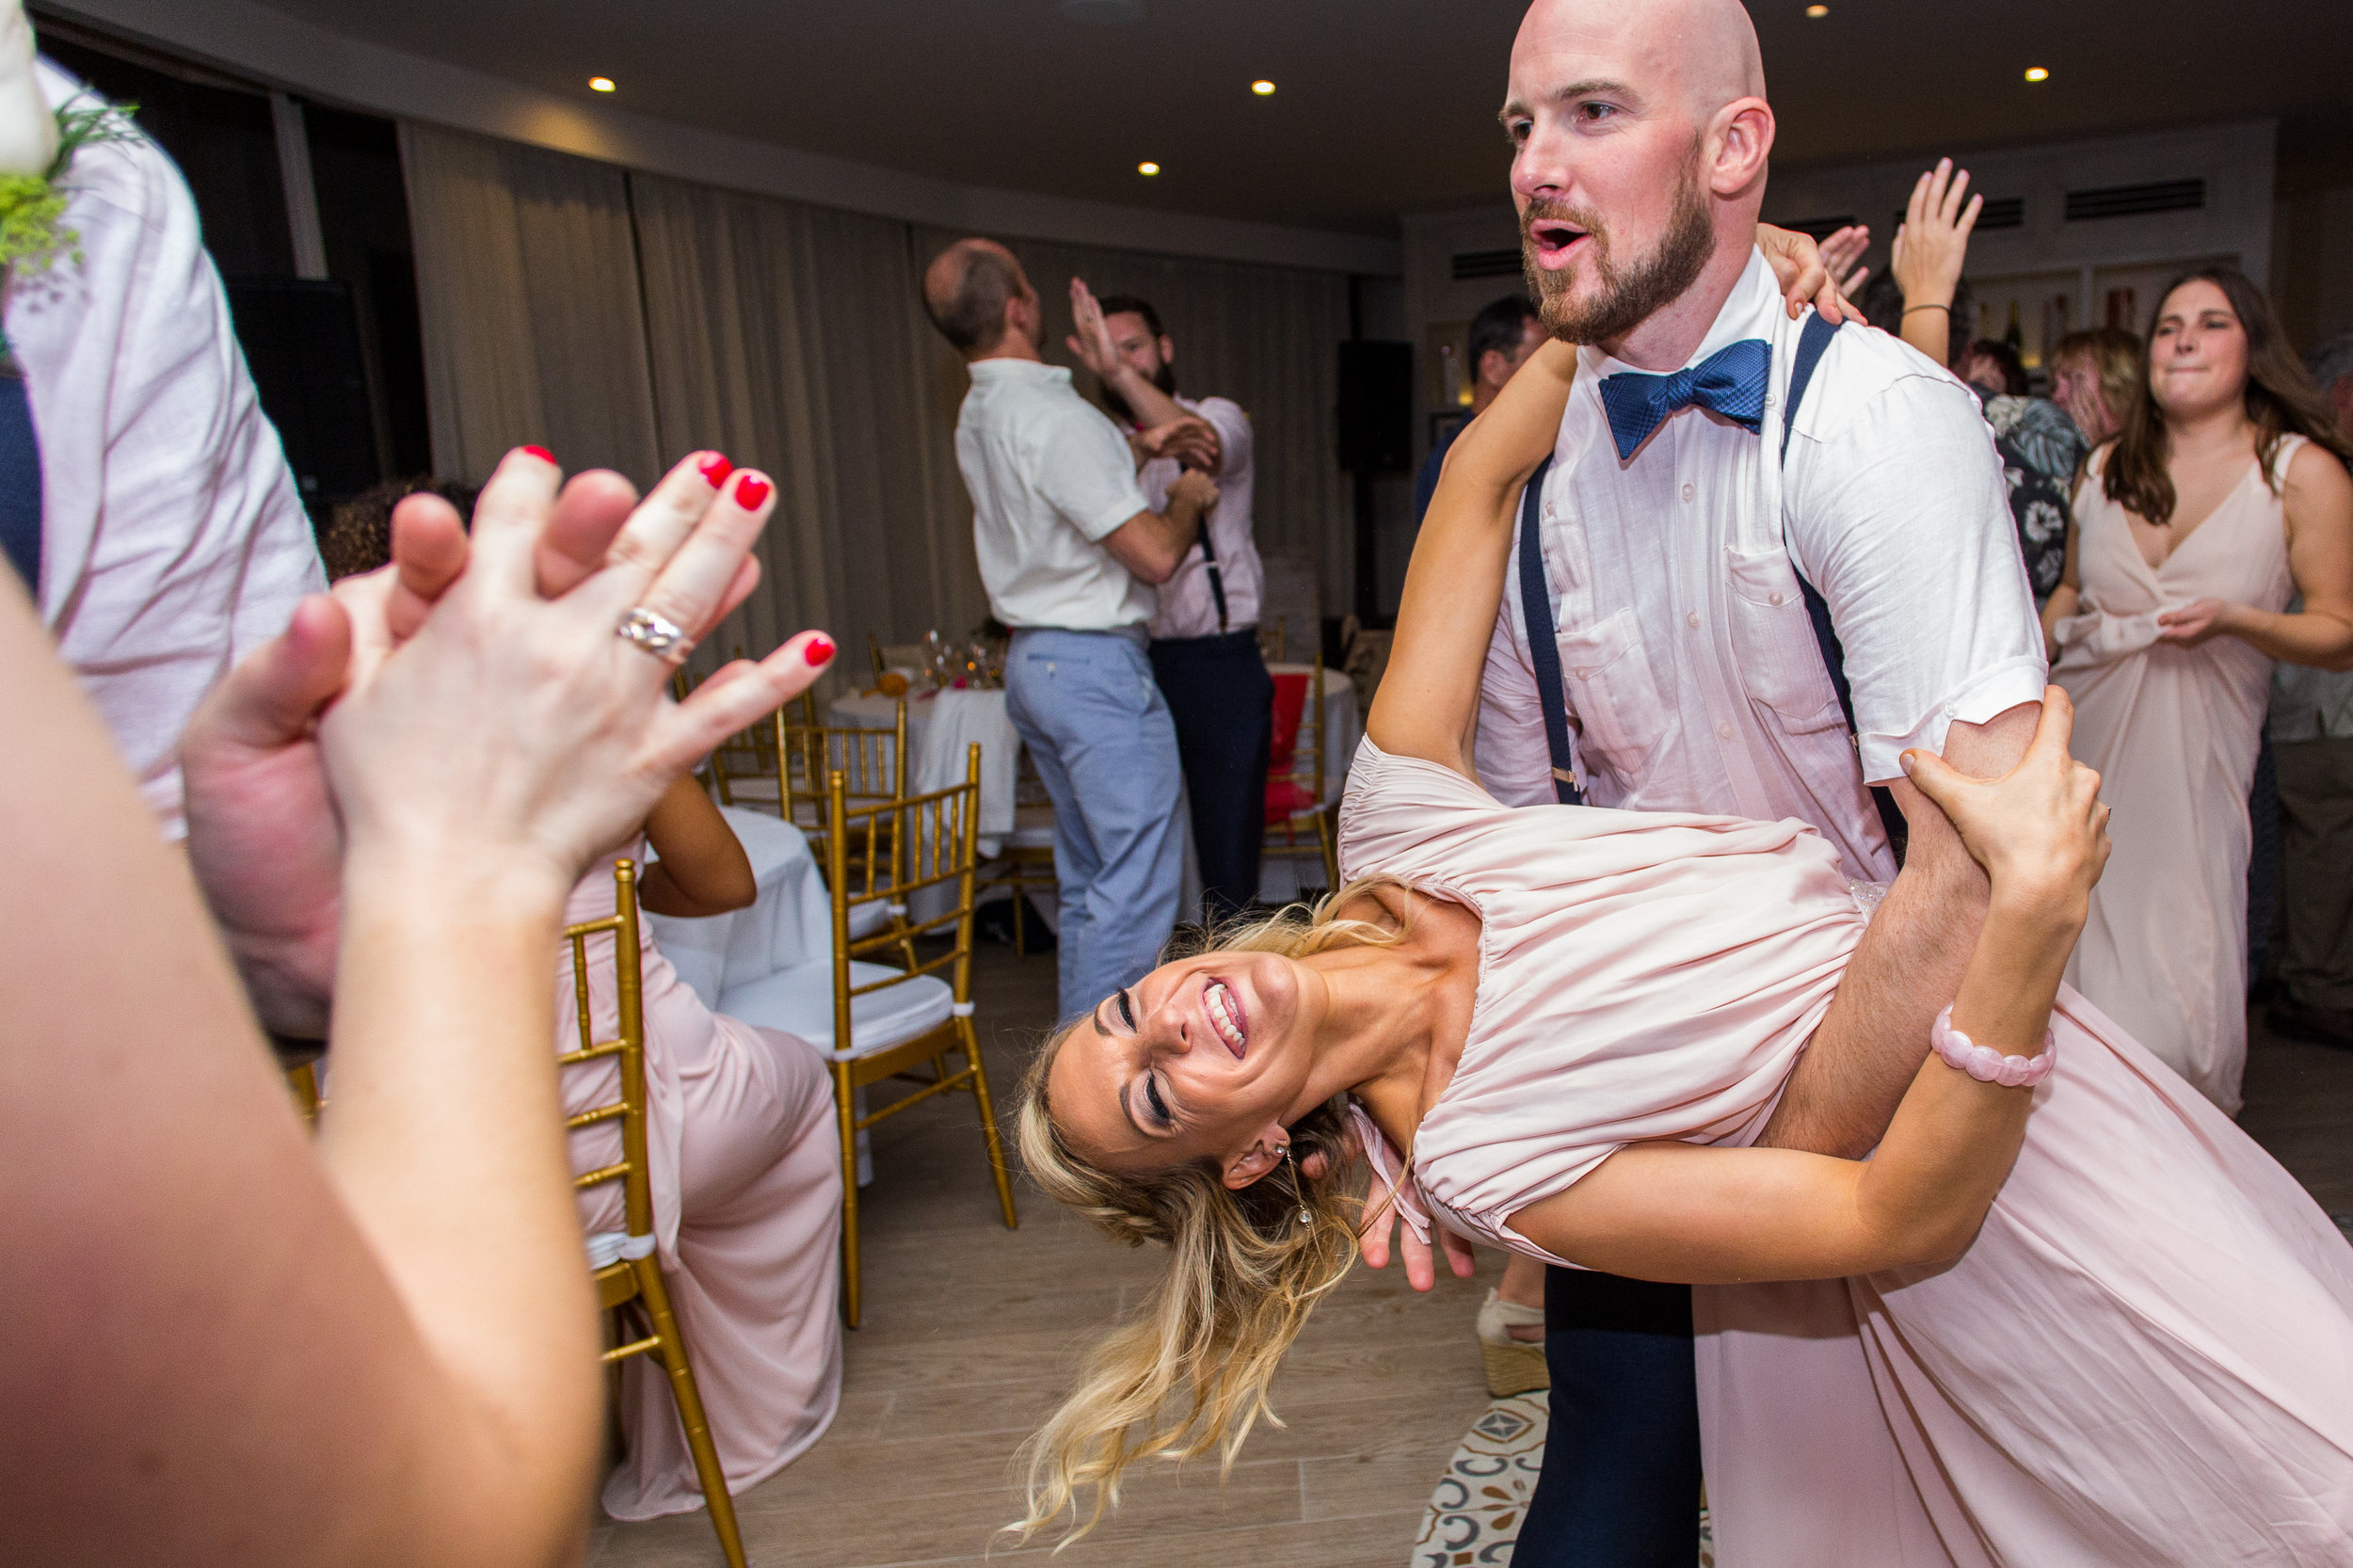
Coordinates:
(2220, 500)
(1582, 1027)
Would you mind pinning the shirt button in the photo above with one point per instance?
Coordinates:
(1548, 511)
(1689, 490)
(1776, 598)
(1580, 672)
(1724, 732)
(1693, 618)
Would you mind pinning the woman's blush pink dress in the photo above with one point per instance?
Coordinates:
(745, 1163)
(2145, 1358)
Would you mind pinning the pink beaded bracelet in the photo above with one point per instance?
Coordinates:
(1985, 1063)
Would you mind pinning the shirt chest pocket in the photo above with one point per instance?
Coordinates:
(1773, 643)
(1614, 696)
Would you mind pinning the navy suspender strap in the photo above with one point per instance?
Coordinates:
(1544, 648)
(1544, 645)
(20, 485)
(1811, 342)
(1217, 579)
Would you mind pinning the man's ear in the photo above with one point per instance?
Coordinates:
(1743, 136)
(1497, 375)
(1168, 350)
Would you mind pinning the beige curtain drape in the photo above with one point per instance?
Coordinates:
(623, 320)
(527, 292)
(790, 337)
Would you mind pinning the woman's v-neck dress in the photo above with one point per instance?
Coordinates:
(2146, 1357)
(2174, 732)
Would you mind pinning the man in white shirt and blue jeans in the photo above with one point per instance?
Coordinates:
(1669, 660)
(1070, 552)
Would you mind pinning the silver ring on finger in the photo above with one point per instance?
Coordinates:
(665, 639)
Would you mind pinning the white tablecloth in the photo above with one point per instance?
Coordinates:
(790, 924)
(939, 727)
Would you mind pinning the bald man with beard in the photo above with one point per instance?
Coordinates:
(1683, 547)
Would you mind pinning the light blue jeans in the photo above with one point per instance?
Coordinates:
(1086, 705)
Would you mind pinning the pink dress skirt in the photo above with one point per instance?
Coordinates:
(2146, 1357)
(745, 1164)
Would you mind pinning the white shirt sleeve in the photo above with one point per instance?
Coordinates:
(172, 540)
(1512, 757)
(1897, 512)
(1234, 438)
(1087, 473)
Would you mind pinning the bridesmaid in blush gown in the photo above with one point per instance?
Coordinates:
(2193, 531)
(745, 1164)
(2065, 1315)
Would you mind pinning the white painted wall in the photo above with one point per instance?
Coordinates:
(2047, 258)
(279, 50)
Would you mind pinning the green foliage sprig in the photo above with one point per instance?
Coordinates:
(31, 204)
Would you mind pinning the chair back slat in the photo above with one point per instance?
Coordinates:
(895, 849)
(629, 1044)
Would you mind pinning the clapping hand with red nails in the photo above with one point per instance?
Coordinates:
(264, 835)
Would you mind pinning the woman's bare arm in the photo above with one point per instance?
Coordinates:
(1428, 705)
(2317, 499)
(702, 870)
(1675, 1212)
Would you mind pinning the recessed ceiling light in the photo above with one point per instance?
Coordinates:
(2036, 73)
(1148, 167)
(1817, 10)
(1263, 88)
(599, 83)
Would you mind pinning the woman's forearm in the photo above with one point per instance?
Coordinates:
(1946, 1156)
(2063, 603)
(2322, 641)
(444, 1135)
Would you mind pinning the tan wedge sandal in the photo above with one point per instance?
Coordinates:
(1513, 1365)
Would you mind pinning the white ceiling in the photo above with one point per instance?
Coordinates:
(1383, 106)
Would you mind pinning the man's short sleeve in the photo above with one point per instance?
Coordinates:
(1087, 473)
(1897, 512)
(1234, 438)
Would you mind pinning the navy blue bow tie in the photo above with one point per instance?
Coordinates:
(1731, 381)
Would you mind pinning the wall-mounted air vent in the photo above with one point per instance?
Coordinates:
(1487, 264)
(2159, 196)
(2000, 212)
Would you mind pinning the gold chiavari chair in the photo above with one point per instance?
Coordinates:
(1271, 640)
(622, 1263)
(1295, 784)
(874, 759)
(754, 767)
(881, 1022)
(1027, 858)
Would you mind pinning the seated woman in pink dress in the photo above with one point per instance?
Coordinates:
(746, 1168)
(2058, 1317)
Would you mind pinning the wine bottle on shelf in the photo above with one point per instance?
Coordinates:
(2014, 337)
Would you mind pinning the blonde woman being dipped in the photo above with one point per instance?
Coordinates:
(1580, 1025)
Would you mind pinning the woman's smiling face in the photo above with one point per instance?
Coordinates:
(1203, 1059)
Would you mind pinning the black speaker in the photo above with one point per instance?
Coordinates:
(1376, 406)
(302, 341)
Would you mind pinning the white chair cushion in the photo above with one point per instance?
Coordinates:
(799, 1001)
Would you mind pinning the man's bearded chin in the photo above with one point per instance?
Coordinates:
(1627, 296)
(1165, 378)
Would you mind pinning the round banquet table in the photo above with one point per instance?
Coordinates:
(789, 923)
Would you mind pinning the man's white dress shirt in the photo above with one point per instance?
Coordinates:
(1187, 607)
(1691, 672)
(1049, 476)
(172, 540)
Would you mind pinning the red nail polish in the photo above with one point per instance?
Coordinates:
(750, 492)
(715, 468)
(818, 649)
(542, 454)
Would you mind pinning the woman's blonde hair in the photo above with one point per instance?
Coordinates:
(1189, 1369)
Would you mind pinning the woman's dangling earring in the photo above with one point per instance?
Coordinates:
(1297, 1191)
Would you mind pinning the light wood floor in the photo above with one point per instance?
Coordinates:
(971, 1330)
